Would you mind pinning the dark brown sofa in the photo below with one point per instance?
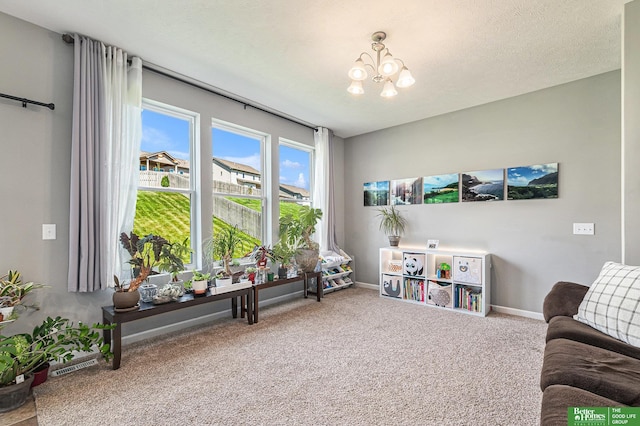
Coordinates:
(583, 367)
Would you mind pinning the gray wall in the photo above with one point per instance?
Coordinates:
(631, 135)
(531, 241)
(35, 175)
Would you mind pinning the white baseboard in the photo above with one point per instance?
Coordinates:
(375, 287)
(205, 319)
(518, 312)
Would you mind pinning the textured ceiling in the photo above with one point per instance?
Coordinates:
(292, 56)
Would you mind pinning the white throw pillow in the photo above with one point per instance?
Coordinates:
(612, 303)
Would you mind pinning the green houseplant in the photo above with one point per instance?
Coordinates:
(172, 257)
(281, 255)
(223, 245)
(12, 293)
(56, 339)
(297, 231)
(199, 282)
(392, 223)
(145, 253)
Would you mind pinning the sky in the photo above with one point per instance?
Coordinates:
(439, 181)
(521, 176)
(161, 132)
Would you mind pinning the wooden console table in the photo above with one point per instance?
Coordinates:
(306, 277)
(109, 316)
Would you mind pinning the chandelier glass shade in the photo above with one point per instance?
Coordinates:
(384, 67)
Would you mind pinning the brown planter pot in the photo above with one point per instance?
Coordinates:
(125, 299)
(13, 396)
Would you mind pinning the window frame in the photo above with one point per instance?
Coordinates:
(312, 152)
(264, 140)
(194, 191)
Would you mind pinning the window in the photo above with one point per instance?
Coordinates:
(295, 171)
(238, 195)
(166, 203)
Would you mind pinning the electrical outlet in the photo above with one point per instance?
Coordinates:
(583, 229)
(49, 231)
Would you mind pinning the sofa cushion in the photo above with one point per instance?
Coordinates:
(568, 328)
(612, 303)
(556, 399)
(605, 373)
(563, 299)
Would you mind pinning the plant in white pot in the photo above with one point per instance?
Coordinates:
(297, 231)
(200, 282)
(392, 223)
(223, 247)
(12, 293)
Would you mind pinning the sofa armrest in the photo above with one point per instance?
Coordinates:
(563, 300)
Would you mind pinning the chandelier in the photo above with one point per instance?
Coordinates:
(383, 67)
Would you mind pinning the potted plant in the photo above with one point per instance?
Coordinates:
(250, 272)
(281, 255)
(222, 279)
(392, 223)
(223, 246)
(54, 340)
(199, 282)
(145, 254)
(171, 260)
(12, 293)
(297, 231)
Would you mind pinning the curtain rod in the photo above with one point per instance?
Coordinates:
(27, 101)
(69, 39)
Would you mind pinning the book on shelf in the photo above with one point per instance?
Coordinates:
(414, 289)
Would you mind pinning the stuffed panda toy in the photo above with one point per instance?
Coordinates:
(413, 266)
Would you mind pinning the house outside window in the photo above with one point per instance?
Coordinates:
(167, 193)
(238, 196)
(295, 176)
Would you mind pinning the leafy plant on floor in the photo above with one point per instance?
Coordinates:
(56, 339)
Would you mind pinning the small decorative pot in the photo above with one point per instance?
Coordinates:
(282, 273)
(40, 374)
(221, 282)
(199, 287)
(147, 291)
(5, 313)
(125, 299)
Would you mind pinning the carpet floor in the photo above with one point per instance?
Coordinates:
(353, 359)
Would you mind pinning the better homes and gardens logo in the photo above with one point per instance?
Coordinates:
(603, 416)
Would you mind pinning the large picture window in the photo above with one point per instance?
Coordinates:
(295, 177)
(168, 164)
(238, 193)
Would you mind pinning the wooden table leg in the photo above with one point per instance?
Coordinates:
(249, 307)
(318, 287)
(243, 305)
(117, 346)
(255, 304)
(234, 307)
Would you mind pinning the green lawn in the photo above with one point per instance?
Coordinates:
(167, 214)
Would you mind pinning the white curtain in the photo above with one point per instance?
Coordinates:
(104, 171)
(323, 190)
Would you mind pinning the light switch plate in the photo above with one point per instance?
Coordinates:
(49, 231)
